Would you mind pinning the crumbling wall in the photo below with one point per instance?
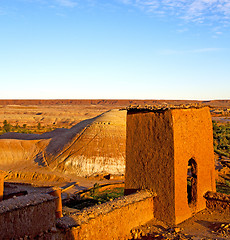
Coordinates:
(27, 215)
(111, 220)
(217, 201)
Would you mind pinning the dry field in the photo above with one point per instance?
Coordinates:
(49, 116)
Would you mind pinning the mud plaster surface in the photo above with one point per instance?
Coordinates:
(159, 146)
(24, 201)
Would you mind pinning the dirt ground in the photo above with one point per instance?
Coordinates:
(49, 116)
(206, 224)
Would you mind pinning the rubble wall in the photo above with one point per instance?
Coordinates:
(217, 201)
(27, 215)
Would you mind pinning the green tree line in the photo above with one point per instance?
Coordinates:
(7, 127)
(221, 139)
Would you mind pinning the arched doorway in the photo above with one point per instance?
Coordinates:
(192, 182)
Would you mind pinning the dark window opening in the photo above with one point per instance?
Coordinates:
(192, 182)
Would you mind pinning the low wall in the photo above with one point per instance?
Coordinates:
(217, 201)
(27, 215)
(111, 220)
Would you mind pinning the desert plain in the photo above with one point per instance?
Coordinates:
(59, 142)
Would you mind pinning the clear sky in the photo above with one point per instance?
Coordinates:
(139, 49)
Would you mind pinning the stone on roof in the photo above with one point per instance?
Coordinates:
(164, 107)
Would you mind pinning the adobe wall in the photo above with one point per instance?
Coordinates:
(159, 144)
(193, 138)
(27, 215)
(218, 201)
(149, 158)
(111, 220)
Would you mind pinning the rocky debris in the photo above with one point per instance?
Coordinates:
(222, 230)
(163, 107)
(205, 225)
(169, 234)
(217, 196)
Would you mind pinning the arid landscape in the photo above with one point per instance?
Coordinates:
(80, 137)
(82, 143)
(114, 120)
(73, 136)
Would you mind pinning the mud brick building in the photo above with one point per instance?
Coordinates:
(170, 152)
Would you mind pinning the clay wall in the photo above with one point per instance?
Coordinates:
(149, 159)
(193, 139)
(111, 220)
(27, 215)
(159, 145)
(217, 201)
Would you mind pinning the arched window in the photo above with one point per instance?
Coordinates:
(192, 182)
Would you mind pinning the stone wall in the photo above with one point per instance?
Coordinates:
(27, 215)
(111, 220)
(217, 201)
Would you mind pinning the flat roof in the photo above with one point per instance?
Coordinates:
(160, 108)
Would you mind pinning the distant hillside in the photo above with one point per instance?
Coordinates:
(92, 146)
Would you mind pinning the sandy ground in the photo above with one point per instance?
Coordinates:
(50, 116)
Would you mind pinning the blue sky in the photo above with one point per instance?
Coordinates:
(139, 49)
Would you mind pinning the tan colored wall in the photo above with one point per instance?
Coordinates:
(112, 220)
(193, 138)
(159, 145)
(27, 215)
(149, 158)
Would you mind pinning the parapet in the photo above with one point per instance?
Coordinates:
(161, 108)
(110, 220)
(27, 215)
